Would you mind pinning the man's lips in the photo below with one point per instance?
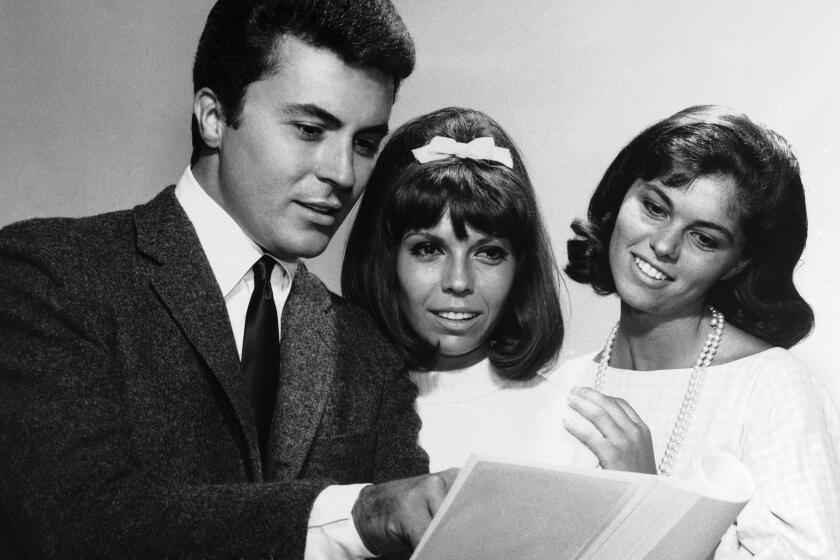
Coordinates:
(321, 207)
(321, 214)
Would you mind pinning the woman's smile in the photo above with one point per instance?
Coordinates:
(455, 315)
(650, 271)
(671, 245)
(456, 320)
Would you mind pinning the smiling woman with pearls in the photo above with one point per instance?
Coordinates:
(697, 226)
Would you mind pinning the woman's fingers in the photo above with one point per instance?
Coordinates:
(615, 433)
(599, 431)
(606, 413)
(591, 438)
(634, 417)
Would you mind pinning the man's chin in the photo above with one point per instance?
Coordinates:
(309, 248)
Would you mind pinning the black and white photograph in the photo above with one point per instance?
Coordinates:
(439, 279)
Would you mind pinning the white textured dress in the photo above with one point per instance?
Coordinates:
(772, 414)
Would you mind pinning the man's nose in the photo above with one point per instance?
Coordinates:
(337, 165)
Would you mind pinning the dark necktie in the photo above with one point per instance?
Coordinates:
(261, 349)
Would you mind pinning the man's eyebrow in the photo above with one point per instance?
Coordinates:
(313, 111)
(377, 129)
(328, 118)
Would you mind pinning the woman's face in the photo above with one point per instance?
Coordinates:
(453, 292)
(670, 245)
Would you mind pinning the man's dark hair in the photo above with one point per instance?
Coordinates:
(240, 39)
(707, 141)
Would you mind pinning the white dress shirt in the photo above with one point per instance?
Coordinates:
(232, 254)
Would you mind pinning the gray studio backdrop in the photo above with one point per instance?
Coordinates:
(95, 102)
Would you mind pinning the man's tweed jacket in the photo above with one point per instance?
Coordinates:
(125, 429)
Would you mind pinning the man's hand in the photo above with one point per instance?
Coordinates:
(616, 435)
(392, 516)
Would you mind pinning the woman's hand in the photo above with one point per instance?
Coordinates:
(617, 436)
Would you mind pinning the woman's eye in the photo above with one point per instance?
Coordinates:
(705, 241)
(653, 209)
(309, 131)
(425, 250)
(492, 253)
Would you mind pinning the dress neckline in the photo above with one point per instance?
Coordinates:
(455, 385)
(713, 367)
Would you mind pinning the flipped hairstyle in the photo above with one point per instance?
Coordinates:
(404, 195)
(706, 140)
(240, 39)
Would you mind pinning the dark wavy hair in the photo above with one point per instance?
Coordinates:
(707, 140)
(404, 195)
(240, 38)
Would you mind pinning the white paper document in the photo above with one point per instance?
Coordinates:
(503, 510)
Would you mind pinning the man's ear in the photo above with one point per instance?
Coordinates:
(739, 266)
(208, 113)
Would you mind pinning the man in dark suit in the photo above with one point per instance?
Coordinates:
(152, 404)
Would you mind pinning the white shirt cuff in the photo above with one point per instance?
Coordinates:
(331, 533)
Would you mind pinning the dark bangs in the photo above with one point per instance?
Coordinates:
(481, 195)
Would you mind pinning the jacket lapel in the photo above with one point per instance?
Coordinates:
(185, 284)
(308, 361)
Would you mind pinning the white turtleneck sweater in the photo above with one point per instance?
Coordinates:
(474, 410)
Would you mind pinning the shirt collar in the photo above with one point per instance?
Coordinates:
(228, 248)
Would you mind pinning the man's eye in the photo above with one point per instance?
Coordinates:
(367, 147)
(309, 131)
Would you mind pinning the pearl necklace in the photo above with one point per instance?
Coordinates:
(692, 394)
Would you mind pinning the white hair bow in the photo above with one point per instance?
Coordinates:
(442, 147)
